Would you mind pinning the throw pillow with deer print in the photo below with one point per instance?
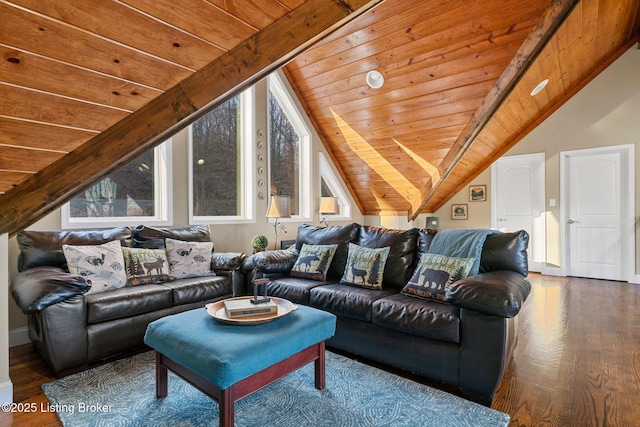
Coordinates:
(189, 259)
(102, 266)
(434, 274)
(365, 266)
(313, 261)
(146, 266)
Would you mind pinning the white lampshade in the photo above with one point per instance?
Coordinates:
(279, 207)
(375, 79)
(329, 205)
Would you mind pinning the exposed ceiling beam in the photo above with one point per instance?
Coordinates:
(179, 106)
(550, 21)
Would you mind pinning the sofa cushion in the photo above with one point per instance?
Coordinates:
(341, 235)
(425, 237)
(145, 236)
(346, 301)
(424, 318)
(434, 274)
(294, 289)
(188, 259)
(102, 266)
(313, 261)
(39, 248)
(365, 266)
(194, 289)
(127, 302)
(505, 251)
(146, 266)
(402, 251)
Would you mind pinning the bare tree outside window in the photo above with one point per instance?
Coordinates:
(215, 159)
(284, 151)
(127, 192)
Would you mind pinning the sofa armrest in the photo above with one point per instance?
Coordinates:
(274, 261)
(37, 288)
(499, 293)
(229, 261)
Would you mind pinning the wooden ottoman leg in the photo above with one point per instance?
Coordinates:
(162, 383)
(320, 373)
(225, 407)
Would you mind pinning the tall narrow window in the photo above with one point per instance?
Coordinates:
(139, 190)
(289, 145)
(218, 156)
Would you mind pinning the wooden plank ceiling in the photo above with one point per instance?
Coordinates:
(397, 147)
(87, 85)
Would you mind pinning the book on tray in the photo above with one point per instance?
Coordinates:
(245, 308)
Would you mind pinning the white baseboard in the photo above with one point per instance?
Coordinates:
(18, 336)
(635, 279)
(6, 392)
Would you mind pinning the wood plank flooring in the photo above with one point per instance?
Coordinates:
(577, 362)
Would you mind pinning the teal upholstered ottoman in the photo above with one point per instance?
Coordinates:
(228, 362)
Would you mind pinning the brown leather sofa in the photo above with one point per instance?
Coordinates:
(72, 330)
(465, 341)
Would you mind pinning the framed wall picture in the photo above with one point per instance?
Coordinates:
(459, 211)
(477, 193)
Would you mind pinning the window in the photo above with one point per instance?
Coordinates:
(330, 187)
(289, 146)
(220, 163)
(137, 193)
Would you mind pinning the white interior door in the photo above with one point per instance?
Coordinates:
(595, 213)
(519, 202)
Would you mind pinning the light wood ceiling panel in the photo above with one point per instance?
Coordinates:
(456, 73)
(76, 78)
(107, 80)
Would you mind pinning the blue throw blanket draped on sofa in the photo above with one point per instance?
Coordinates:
(461, 243)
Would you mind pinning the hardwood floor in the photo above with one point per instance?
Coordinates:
(577, 362)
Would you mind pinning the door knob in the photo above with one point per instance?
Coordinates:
(573, 222)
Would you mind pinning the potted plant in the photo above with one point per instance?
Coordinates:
(259, 243)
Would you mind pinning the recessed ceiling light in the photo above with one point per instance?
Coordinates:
(375, 79)
(536, 90)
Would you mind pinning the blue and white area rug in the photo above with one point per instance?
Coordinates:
(122, 393)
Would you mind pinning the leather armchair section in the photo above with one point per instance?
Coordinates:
(401, 260)
(499, 293)
(505, 251)
(38, 248)
(38, 288)
(229, 261)
(342, 235)
(274, 261)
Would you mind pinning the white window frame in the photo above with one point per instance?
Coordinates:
(247, 167)
(326, 174)
(163, 194)
(277, 87)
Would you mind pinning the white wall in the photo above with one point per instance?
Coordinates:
(606, 112)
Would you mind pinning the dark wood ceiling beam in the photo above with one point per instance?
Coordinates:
(550, 21)
(243, 65)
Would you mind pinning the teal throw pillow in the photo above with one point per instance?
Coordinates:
(313, 261)
(434, 274)
(365, 266)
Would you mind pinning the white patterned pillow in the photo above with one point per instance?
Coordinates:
(189, 259)
(365, 266)
(102, 266)
(434, 274)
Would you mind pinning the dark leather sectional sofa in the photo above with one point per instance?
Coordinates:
(465, 341)
(71, 329)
